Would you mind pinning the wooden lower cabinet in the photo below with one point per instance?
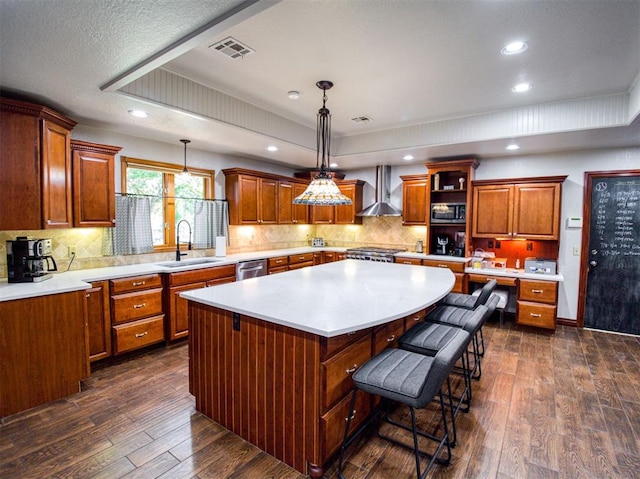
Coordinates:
(137, 318)
(98, 320)
(285, 390)
(43, 349)
(457, 268)
(279, 264)
(176, 308)
(302, 260)
(537, 303)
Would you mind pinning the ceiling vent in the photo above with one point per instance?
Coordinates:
(232, 48)
(362, 119)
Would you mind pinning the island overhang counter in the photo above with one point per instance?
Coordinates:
(271, 358)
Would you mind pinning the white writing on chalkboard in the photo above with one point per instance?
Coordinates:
(616, 217)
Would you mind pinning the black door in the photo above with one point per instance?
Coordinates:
(612, 301)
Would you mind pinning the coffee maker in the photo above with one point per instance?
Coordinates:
(29, 260)
(442, 244)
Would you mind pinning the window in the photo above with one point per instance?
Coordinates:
(172, 192)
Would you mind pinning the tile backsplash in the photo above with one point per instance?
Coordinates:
(379, 231)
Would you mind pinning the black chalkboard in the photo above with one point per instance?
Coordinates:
(613, 281)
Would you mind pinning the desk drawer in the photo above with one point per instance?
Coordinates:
(131, 306)
(538, 291)
(536, 314)
(456, 267)
(138, 334)
(485, 278)
(337, 371)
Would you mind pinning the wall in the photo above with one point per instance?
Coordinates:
(386, 231)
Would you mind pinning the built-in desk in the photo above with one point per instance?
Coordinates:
(271, 358)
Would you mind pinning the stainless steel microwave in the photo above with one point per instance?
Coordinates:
(448, 212)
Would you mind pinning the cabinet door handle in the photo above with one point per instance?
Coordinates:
(352, 416)
(443, 266)
(138, 306)
(141, 335)
(351, 333)
(416, 318)
(391, 339)
(352, 370)
(301, 258)
(537, 291)
(88, 295)
(535, 315)
(138, 283)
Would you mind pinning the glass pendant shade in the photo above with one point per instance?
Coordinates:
(322, 191)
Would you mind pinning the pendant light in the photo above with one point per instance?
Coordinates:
(322, 191)
(185, 172)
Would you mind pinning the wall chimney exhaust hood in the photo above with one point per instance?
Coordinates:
(382, 206)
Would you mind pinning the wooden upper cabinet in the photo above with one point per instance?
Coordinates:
(525, 208)
(252, 199)
(343, 214)
(35, 160)
(346, 214)
(492, 211)
(288, 213)
(414, 199)
(93, 184)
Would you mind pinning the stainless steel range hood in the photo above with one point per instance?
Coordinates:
(382, 206)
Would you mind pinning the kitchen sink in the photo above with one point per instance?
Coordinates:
(188, 262)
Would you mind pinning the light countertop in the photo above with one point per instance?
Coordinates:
(433, 257)
(333, 298)
(516, 273)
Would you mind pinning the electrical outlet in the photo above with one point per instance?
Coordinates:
(498, 244)
(529, 246)
(490, 244)
(72, 251)
(576, 251)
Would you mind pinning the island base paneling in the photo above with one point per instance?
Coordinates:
(261, 382)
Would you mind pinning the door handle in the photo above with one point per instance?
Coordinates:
(594, 251)
(593, 263)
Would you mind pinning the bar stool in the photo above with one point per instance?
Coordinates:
(470, 301)
(428, 339)
(411, 379)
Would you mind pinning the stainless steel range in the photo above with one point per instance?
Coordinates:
(368, 253)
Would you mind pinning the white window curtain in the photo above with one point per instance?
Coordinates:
(132, 233)
(211, 219)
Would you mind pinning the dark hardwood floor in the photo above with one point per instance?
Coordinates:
(563, 405)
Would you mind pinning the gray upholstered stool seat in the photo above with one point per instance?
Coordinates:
(429, 339)
(470, 301)
(414, 380)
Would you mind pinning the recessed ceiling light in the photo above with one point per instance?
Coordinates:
(272, 148)
(522, 87)
(333, 165)
(138, 113)
(293, 95)
(407, 157)
(512, 146)
(514, 47)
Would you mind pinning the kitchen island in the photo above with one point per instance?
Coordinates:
(271, 358)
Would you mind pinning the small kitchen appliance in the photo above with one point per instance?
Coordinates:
(29, 260)
(317, 241)
(442, 242)
(540, 266)
(448, 213)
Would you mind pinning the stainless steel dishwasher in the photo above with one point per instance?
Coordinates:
(251, 269)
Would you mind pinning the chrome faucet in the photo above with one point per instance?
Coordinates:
(178, 253)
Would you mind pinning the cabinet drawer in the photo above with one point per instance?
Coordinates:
(203, 274)
(485, 278)
(453, 266)
(137, 283)
(280, 269)
(337, 371)
(138, 334)
(460, 286)
(300, 265)
(330, 346)
(332, 424)
(278, 262)
(413, 319)
(387, 335)
(538, 291)
(301, 258)
(536, 314)
(130, 306)
(416, 261)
